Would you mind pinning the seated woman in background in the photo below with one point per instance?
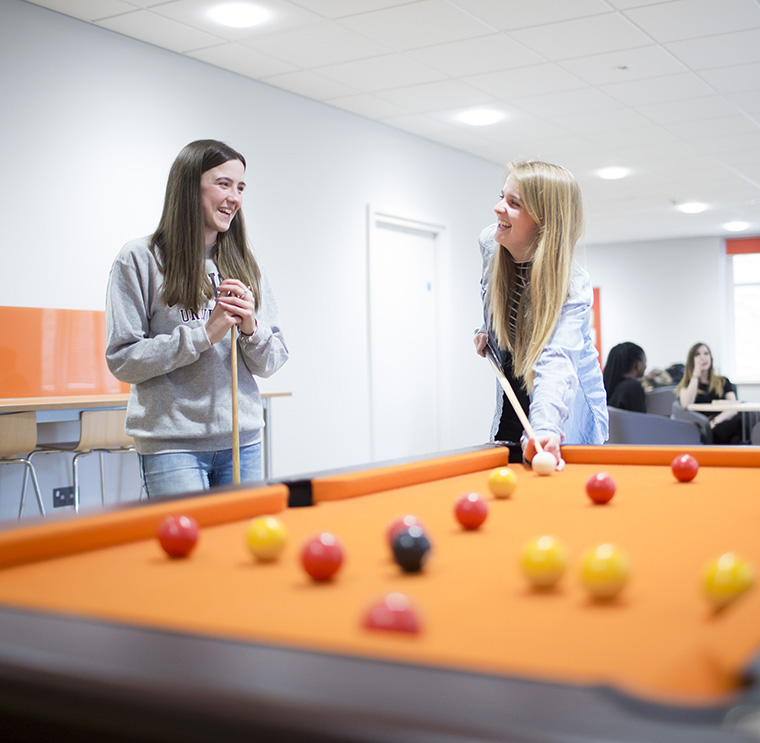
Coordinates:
(700, 384)
(626, 364)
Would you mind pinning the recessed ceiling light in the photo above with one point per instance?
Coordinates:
(481, 117)
(238, 15)
(612, 174)
(691, 207)
(736, 226)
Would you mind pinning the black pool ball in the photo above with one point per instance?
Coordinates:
(411, 548)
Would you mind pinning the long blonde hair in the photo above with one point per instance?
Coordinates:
(715, 382)
(552, 198)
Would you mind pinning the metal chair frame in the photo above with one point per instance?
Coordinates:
(18, 436)
(101, 432)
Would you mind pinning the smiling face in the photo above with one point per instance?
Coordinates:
(516, 230)
(221, 197)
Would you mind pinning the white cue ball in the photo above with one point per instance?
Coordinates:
(544, 463)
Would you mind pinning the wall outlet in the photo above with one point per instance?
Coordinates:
(63, 496)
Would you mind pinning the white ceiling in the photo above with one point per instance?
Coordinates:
(669, 89)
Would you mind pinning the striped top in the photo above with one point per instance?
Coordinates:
(522, 274)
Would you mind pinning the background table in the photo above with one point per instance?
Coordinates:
(100, 631)
(719, 406)
(62, 402)
(67, 407)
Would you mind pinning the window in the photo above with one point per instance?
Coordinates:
(744, 256)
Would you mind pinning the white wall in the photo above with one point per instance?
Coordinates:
(91, 122)
(665, 295)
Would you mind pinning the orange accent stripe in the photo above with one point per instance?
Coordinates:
(352, 484)
(597, 324)
(48, 352)
(48, 539)
(741, 245)
(710, 456)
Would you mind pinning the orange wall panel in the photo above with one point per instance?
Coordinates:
(50, 352)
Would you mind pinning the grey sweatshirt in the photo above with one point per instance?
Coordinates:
(181, 383)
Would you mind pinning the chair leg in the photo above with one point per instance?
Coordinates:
(75, 475)
(29, 469)
(102, 472)
(102, 480)
(23, 491)
(75, 472)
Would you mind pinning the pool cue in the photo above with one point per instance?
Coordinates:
(233, 364)
(235, 425)
(511, 396)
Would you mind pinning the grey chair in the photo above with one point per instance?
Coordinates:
(627, 427)
(702, 422)
(755, 436)
(660, 400)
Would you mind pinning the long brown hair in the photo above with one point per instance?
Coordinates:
(715, 382)
(552, 198)
(178, 242)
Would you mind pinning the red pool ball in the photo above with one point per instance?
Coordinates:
(470, 510)
(178, 535)
(398, 524)
(600, 488)
(684, 467)
(322, 556)
(393, 612)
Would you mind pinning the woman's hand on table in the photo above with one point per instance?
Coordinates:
(549, 443)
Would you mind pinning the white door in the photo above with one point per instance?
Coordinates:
(403, 354)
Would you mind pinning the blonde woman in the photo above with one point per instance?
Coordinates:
(172, 299)
(537, 304)
(701, 384)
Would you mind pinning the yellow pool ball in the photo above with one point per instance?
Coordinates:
(502, 482)
(266, 536)
(604, 571)
(726, 577)
(543, 561)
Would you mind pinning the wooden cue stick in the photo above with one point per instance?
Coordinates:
(235, 425)
(511, 396)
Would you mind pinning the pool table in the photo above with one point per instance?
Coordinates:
(104, 637)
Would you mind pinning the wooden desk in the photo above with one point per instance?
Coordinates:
(737, 406)
(88, 402)
(63, 402)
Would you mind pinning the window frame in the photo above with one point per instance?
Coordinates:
(735, 247)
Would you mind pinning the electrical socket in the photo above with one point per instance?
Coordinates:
(63, 496)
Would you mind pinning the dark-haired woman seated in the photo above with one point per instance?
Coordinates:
(626, 364)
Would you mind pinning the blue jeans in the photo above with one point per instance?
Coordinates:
(186, 472)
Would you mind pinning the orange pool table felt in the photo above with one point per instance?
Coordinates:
(659, 641)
